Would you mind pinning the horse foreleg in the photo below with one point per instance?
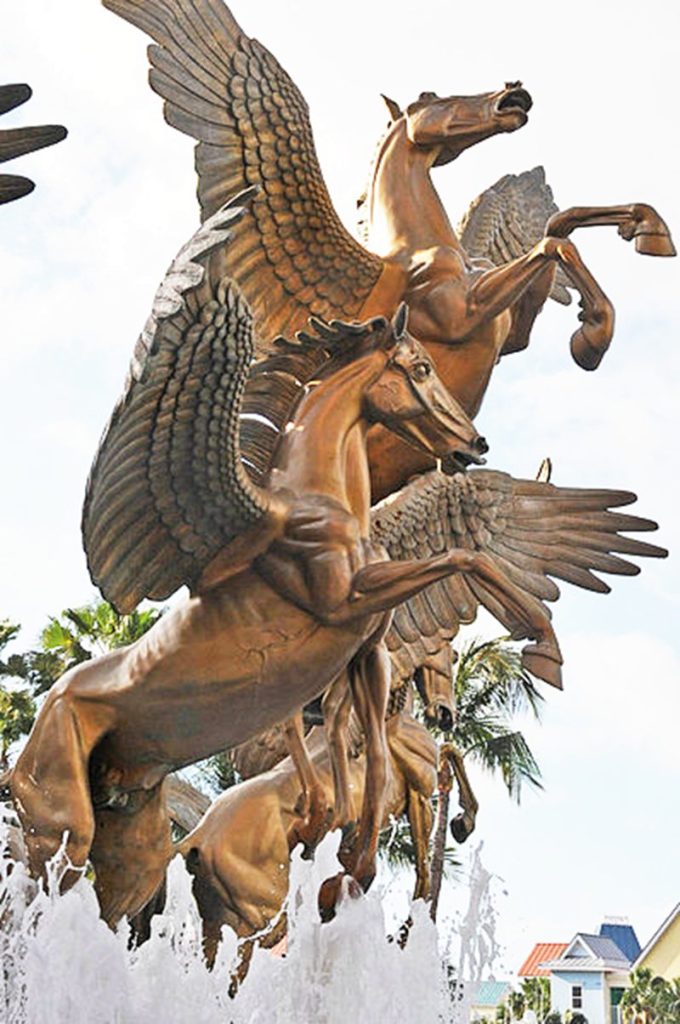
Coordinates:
(369, 676)
(313, 811)
(420, 818)
(635, 221)
(337, 705)
(498, 289)
(463, 825)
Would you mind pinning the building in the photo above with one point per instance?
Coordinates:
(542, 951)
(661, 955)
(487, 997)
(589, 977)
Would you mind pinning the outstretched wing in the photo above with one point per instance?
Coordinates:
(167, 489)
(291, 256)
(15, 142)
(535, 531)
(508, 219)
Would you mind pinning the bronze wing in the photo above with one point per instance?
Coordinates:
(15, 142)
(291, 256)
(508, 219)
(535, 531)
(167, 489)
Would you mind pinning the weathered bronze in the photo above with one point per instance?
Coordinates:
(251, 481)
(472, 298)
(15, 142)
(287, 591)
(239, 853)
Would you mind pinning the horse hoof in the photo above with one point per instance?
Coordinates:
(329, 894)
(588, 346)
(545, 662)
(459, 829)
(654, 245)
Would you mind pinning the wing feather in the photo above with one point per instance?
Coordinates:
(507, 220)
(291, 257)
(167, 489)
(533, 530)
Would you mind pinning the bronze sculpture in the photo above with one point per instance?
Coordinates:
(293, 258)
(170, 502)
(286, 590)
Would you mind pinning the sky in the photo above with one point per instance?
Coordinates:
(81, 257)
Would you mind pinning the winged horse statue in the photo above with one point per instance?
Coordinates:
(294, 258)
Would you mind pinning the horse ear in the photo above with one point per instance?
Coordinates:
(399, 321)
(392, 106)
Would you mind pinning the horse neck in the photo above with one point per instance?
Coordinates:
(405, 214)
(324, 450)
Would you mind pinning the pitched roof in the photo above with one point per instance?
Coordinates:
(658, 934)
(490, 993)
(624, 936)
(589, 953)
(541, 951)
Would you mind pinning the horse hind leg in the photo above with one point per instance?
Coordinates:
(50, 785)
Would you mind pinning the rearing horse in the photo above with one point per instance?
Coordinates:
(286, 589)
(292, 257)
(466, 311)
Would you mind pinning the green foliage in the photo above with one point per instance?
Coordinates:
(554, 1017)
(17, 707)
(219, 772)
(651, 1000)
(395, 844)
(491, 687)
(575, 1017)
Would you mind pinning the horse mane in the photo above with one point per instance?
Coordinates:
(278, 383)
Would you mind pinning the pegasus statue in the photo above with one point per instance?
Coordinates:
(271, 392)
(473, 297)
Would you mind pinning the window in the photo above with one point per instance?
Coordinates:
(576, 997)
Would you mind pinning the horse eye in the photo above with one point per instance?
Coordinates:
(422, 370)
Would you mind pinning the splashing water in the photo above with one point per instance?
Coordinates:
(61, 963)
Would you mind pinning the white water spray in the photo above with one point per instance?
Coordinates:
(62, 964)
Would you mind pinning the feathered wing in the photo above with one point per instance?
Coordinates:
(506, 220)
(291, 256)
(167, 489)
(535, 532)
(16, 142)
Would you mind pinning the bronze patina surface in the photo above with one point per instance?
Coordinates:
(268, 404)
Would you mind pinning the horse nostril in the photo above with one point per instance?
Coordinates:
(444, 718)
(481, 446)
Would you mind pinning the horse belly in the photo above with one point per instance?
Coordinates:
(220, 669)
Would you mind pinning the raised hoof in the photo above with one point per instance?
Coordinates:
(459, 829)
(330, 894)
(654, 245)
(590, 342)
(544, 661)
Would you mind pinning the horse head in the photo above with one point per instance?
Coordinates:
(448, 125)
(410, 400)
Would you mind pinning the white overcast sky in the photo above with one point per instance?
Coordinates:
(81, 257)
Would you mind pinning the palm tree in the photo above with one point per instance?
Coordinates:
(490, 687)
(17, 707)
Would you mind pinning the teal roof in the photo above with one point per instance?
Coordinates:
(490, 993)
